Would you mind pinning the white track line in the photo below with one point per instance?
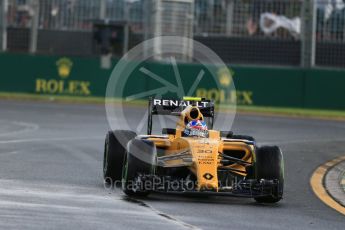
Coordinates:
(28, 127)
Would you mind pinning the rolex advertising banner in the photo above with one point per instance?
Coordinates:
(260, 86)
(52, 75)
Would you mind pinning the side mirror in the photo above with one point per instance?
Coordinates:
(226, 134)
(169, 131)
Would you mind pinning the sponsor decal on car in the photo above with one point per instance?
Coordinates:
(208, 176)
(177, 103)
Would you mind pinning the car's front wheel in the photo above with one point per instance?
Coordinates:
(270, 166)
(139, 163)
(114, 153)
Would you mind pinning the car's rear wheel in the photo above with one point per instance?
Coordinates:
(139, 162)
(114, 153)
(270, 166)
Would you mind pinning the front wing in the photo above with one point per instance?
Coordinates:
(248, 188)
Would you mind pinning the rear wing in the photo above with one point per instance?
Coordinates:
(174, 107)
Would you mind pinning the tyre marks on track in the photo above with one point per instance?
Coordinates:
(159, 213)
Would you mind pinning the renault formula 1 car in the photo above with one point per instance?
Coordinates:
(198, 160)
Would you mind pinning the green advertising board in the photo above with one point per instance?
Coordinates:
(260, 86)
(52, 75)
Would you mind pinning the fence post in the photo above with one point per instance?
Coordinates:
(308, 34)
(3, 32)
(126, 28)
(157, 31)
(146, 23)
(102, 9)
(35, 5)
(229, 18)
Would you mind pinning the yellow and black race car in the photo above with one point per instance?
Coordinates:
(192, 158)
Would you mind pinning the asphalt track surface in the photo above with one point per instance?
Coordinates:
(51, 175)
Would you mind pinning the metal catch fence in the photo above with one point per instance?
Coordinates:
(270, 32)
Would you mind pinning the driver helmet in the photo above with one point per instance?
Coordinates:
(196, 128)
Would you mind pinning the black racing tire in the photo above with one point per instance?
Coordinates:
(243, 137)
(114, 153)
(270, 165)
(140, 160)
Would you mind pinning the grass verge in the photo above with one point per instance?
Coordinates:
(261, 110)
